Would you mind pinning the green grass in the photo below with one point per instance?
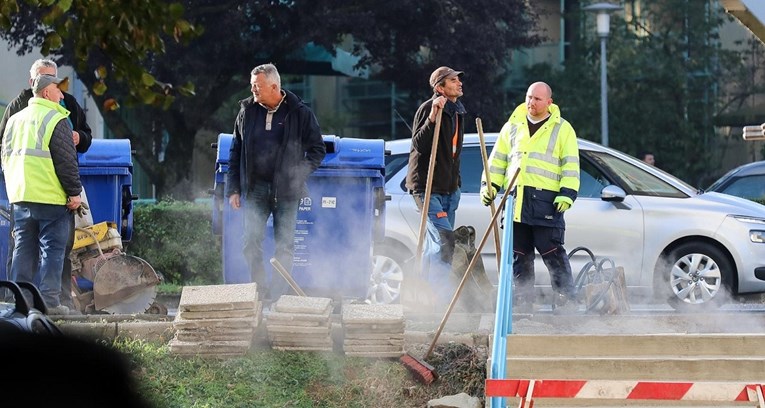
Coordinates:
(169, 288)
(268, 378)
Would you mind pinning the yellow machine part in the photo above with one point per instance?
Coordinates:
(97, 231)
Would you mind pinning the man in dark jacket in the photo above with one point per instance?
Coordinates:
(43, 183)
(82, 137)
(277, 144)
(445, 190)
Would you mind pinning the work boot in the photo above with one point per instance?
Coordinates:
(564, 305)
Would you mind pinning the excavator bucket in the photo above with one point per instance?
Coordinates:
(124, 284)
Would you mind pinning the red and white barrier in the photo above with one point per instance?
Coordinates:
(527, 390)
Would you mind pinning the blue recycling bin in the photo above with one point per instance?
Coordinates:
(106, 172)
(337, 225)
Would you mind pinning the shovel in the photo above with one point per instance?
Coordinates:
(493, 225)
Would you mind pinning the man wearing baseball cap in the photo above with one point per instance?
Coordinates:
(42, 178)
(445, 184)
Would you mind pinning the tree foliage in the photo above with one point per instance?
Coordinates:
(215, 44)
(668, 79)
(102, 38)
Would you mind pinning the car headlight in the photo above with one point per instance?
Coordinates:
(757, 236)
(749, 220)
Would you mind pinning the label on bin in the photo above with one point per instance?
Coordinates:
(329, 202)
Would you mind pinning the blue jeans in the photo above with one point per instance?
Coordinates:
(438, 247)
(259, 204)
(41, 232)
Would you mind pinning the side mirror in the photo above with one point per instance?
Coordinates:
(612, 193)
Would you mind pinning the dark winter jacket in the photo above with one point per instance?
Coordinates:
(446, 173)
(65, 159)
(77, 116)
(301, 152)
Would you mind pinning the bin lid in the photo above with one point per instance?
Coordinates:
(107, 153)
(343, 152)
(348, 152)
(224, 147)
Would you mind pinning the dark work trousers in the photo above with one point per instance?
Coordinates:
(66, 272)
(548, 241)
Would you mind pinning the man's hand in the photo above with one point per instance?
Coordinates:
(562, 203)
(234, 201)
(82, 210)
(438, 104)
(73, 202)
(488, 193)
(76, 137)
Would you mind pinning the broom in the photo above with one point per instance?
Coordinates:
(426, 373)
(421, 370)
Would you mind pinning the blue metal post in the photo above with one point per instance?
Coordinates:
(503, 318)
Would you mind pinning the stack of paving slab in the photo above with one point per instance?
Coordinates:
(373, 330)
(216, 320)
(300, 323)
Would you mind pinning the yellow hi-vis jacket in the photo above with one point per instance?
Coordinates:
(548, 159)
(27, 163)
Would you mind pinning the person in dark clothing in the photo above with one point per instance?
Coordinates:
(82, 137)
(108, 373)
(446, 182)
(43, 182)
(277, 144)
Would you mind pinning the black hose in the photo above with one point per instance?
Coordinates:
(593, 272)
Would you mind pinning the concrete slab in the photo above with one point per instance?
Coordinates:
(218, 297)
(380, 314)
(302, 304)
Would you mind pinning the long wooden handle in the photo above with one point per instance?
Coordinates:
(428, 191)
(470, 267)
(493, 225)
(286, 275)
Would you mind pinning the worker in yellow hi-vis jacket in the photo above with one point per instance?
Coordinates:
(543, 145)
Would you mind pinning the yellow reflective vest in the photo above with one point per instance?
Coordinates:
(548, 159)
(27, 163)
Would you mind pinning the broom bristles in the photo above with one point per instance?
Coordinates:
(421, 370)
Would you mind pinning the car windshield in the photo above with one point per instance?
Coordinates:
(394, 163)
(750, 187)
(716, 185)
(636, 180)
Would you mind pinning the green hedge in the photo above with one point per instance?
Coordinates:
(176, 238)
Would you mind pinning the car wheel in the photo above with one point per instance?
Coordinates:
(696, 276)
(387, 275)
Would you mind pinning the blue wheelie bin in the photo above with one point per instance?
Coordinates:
(106, 172)
(337, 225)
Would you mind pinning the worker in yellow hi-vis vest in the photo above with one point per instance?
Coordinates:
(543, 145)
(42, 178)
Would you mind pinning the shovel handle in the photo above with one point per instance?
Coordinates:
(428, 191)
(279, 268)
(470, 266)
(485, 159)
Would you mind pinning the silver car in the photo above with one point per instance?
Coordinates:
(692, 249)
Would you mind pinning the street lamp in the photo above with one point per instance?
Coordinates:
(604, 22)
